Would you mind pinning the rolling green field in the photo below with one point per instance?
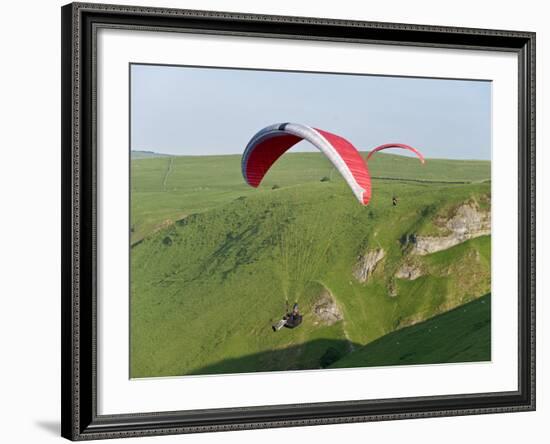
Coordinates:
(214, 260)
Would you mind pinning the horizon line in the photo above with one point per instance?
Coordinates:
(297, 152)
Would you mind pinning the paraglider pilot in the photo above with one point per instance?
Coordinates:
(290, 320)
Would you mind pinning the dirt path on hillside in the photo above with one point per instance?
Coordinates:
(168, 171)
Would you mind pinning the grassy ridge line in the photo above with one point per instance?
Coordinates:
(141, 154)
(200, 183)
(137, 240)
(459, 335)
(421, 180)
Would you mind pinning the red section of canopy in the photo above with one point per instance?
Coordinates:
(353, 160)
(397, 145)
(265, 154)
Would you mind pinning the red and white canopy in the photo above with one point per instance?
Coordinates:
(397, 145)
(272, 142)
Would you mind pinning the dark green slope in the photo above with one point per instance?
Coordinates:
(459, 335)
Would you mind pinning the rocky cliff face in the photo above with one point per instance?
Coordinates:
(367, 264)
(325, 309)
(467, 222)
(408, 271)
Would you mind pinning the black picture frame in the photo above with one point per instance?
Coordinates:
(78, 333)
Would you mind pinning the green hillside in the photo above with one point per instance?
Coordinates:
(459, 335)
(165, 189)
(214, 260)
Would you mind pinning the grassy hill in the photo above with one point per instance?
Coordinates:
(165, 189)
(214, 260)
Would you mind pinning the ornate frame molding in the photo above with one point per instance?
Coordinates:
(80, 22)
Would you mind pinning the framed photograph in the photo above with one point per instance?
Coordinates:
(276, 221)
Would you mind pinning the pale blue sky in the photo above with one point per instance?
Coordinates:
(204, 111)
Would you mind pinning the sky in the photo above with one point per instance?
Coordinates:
(208, 111)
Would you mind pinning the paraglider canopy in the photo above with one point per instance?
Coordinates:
(270, 143)
(273, 141)
(397, 145)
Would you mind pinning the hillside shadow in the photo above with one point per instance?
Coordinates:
(312, 355)
(460, 335)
